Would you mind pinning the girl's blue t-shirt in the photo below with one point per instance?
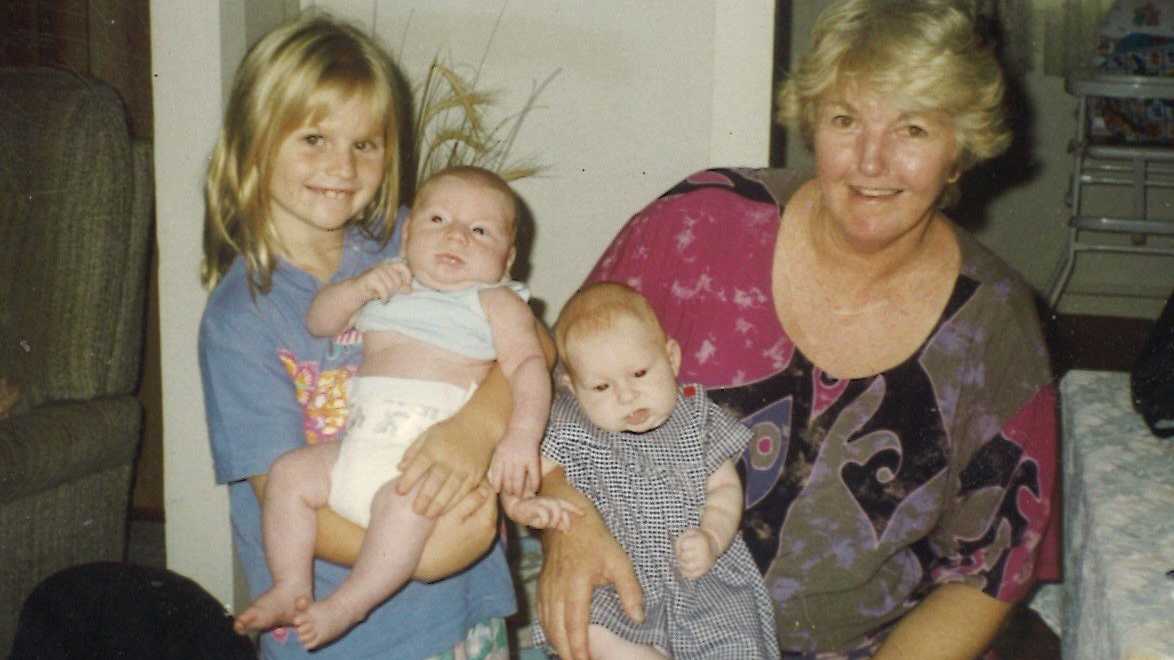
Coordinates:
(270, 387)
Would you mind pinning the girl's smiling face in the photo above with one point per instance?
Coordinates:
(326, 172)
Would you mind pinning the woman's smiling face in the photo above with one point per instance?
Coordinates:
(881, 169)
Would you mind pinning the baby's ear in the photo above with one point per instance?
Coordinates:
(673, 349)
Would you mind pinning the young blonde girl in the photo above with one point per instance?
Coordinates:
(301, 191)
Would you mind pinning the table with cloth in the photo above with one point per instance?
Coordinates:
(1116, 600)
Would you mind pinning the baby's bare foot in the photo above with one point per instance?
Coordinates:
(323, 622)
(276, 607)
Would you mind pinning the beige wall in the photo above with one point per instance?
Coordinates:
(646, 93)
(187, 70)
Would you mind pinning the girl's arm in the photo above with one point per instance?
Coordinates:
(515, 466)
(460, 537)
(335, 305)
(451, 457)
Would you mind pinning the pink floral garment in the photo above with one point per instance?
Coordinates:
(861, 494)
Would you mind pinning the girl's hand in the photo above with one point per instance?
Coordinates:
(385, 280)
(516, 469)
(542, 512)
(697, 551)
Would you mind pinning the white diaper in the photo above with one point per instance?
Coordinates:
(386, 415)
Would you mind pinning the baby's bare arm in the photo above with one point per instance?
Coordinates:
(451, 456)
(698, 549)
(541, 511)
(335, 305)
(520, 353)
(722, 514)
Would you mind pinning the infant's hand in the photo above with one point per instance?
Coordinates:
(542, 512)
(515, 468)
(696, 553)
(384, 280)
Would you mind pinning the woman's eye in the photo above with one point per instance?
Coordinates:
(641, 373)
(916, 131)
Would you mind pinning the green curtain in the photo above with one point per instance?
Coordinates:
(1069, 32)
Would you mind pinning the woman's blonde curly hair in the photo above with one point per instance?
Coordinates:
(295, 75)
(925, 54)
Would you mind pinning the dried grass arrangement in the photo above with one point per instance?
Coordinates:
(450, 126)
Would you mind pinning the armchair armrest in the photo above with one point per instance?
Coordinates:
(60, 441)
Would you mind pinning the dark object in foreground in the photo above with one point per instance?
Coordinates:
(110, 610)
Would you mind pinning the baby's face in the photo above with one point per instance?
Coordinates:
(459, 234)
(625, 377)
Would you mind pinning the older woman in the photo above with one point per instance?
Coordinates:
(892, 368)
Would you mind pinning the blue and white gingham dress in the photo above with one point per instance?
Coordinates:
(650, 488)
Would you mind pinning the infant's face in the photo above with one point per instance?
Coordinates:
(459, 234)
(625, 377)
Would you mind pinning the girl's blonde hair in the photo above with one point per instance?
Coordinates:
(925, 54)
(294, 76)
(596, 308)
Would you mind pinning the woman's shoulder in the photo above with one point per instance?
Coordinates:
(991, 273)
(1004, 304)
(709, 218)
(760, 188)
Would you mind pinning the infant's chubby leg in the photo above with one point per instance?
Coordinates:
(298, 484)
(603, 644)
(391, 550)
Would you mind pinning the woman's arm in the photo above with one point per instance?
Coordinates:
(451, 457)
(460, 537)
(574, 563)
(954, 621)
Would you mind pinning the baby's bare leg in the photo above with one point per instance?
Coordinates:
(389, 555)
(606, 645)
(299, 483)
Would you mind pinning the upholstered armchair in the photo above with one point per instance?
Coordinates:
(75, 214)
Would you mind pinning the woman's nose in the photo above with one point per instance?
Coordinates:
(872, 153)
